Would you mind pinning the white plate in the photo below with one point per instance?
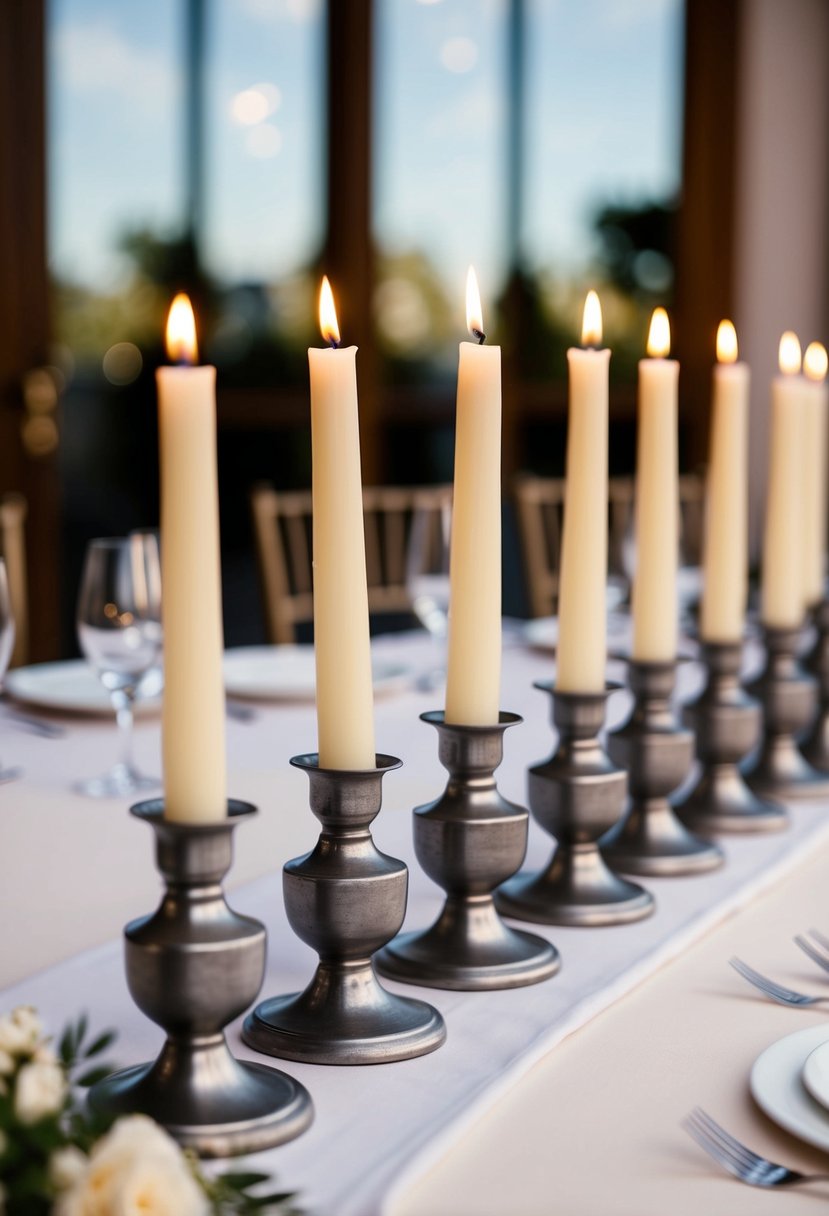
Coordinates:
(286, 673)
(542, 633)
(816, 1074)
(778, 1088)
(71, 687)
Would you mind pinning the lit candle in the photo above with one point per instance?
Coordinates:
(782, 589)
(725, 558)
(193, 714)
(345, 697)
(582, 625)
(474, 664)
(654, 599)
(816, 438)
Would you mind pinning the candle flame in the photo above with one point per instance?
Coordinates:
(789, 354)
(182, 346)
(726, 343)
(816, 361)
(659, 335)
(591, 325)
(474, 312)
(328, 314)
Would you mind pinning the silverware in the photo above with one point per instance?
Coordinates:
(818, 953)
(37, 726)
(742, 1162)
(239, 712)
(770, 988)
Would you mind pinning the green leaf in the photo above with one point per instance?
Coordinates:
(242, 1181)
(93, 1075)
(80, 1031)
(66, 1049)
(100, 1044)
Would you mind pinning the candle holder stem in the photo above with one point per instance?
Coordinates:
(788, 697)
(657, 754)
(468, 842)
(577, 795)
(345, 899)
(815, 745)
(192, 967)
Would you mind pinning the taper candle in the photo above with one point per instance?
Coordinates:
(193, 711)
(473, 678)
(816, 437)
(782, 586)
(345, 696)
(582, 610)
(654, 600)
(725, 554)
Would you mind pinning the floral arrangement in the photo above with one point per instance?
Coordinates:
(59, 1159)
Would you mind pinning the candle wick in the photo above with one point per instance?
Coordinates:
(479, 334)
(333, 343)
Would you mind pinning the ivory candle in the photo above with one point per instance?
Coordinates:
(725, 557)
(345, 696)
(816, 437)
(782, 587)
(473, 678)
(654, 599)
(582, 613)
(193, 712)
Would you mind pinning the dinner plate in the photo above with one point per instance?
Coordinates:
(816, 1074)
(286, 673)
(69, 687)
(542, 633)
(777, 1085)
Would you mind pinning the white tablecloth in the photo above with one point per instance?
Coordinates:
(73, 870)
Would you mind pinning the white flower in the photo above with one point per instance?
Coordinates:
(66, 1167)
(39, 1091)
(135, 1170)
(6, 1064)
(20, 1031)
(45, 1054)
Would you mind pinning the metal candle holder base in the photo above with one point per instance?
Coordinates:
(468, 842)
(726, 723)
(576, 796)
(788, 696)
(815, 745)
(657, 754)
(192, 967)
(346, 899)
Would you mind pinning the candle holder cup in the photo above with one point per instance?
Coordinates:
(346, 899)
(468, 841)
(192, 967)
(726, 723)
(577, 796)
(788, 696)
(815, 744)
(657, 754)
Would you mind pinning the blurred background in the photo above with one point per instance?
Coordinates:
(662, 151)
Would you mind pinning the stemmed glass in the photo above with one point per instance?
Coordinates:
(119, 630)
(427, 578)
(6, 648)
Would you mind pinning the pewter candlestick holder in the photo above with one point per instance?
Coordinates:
(815, 745)
(727, 723)
(577, 795)
(468, 842)
(192, 967)
(346, 899)
(657, 754)
(788, 696)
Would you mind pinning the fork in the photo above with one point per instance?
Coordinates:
(770, 988)
(739, 1160)
(819, 956)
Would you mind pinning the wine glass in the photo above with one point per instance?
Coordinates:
(119, 630)
(6, 647)
(427, 578)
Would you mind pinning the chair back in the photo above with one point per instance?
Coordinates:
(13, 510)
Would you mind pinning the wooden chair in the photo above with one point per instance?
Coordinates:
(282, 526)
(13, 510)
(540, 505)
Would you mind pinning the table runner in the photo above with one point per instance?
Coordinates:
(378, 1127)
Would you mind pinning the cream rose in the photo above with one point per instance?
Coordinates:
(20, 1031)
(39, 1091)
(158, 1186)
(67, 1166)
(6, 1064)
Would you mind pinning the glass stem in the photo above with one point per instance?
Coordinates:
(123, 702)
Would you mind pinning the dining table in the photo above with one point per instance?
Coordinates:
(562, 1097)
